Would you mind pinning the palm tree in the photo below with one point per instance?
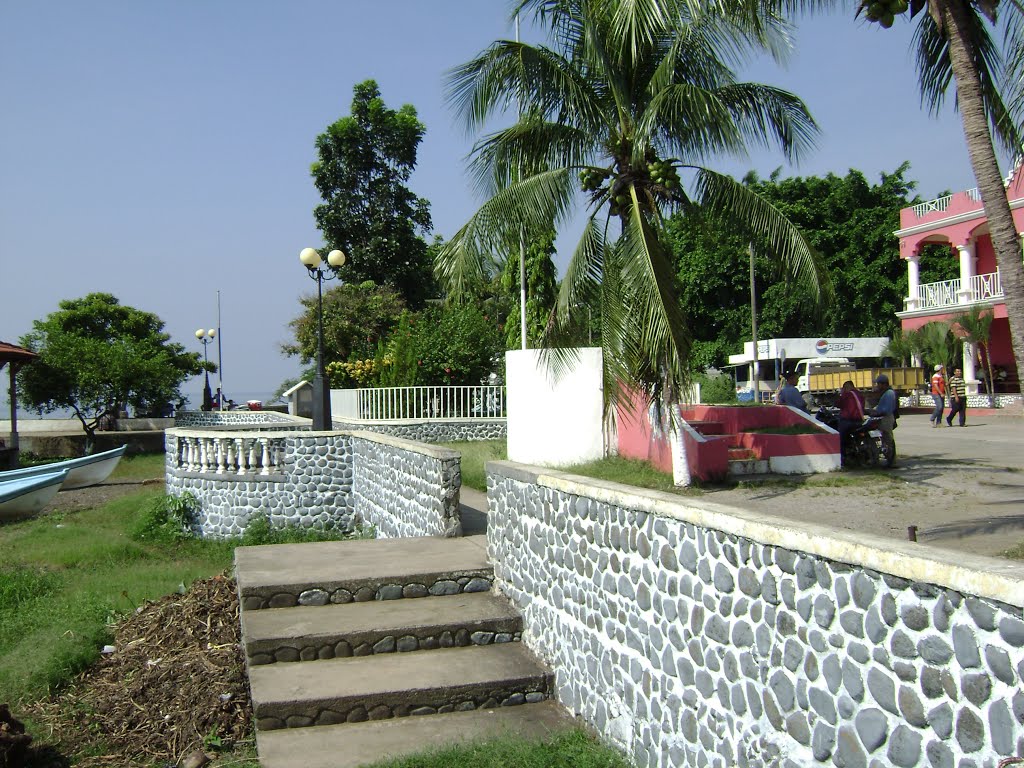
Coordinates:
(938, 344)
(628, 96)
(975, 327)
(955, 46)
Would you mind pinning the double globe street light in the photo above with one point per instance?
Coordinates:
(310, 258)
(206, 338)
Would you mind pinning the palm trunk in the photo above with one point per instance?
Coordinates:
(991, 379)
(1005, 240)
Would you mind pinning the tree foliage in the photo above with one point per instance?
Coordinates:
(847, 220)
(356, 317)
(365, 161)
(621, 111)
(541, 291)
(98, 356)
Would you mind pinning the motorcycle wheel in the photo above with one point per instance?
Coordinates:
(888, 453)
(867, 452)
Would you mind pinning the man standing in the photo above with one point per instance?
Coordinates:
(790, 395)
(957, 398)
(886, 409)
(938, 396)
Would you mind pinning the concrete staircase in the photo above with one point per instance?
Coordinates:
(742, 461)
(362, 650)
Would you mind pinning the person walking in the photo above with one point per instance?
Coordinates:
(938, 396)
(957, 398)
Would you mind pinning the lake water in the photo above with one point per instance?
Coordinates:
(195, 400)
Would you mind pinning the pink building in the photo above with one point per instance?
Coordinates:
(959, 222)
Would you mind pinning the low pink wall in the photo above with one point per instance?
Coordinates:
(637, 439)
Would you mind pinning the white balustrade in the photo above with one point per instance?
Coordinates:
(441, 402)
(227, 453)
(946, 293)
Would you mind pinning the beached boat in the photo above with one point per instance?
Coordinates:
(85, 471)
(26, 496)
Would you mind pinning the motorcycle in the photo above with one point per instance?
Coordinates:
(863, 446)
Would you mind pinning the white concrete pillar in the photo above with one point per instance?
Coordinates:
(965, 295)
(913, 281)
(970, 375)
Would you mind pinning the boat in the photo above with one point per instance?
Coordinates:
(88, 470)
(26, 496)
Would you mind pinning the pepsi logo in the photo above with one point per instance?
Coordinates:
(821, 347)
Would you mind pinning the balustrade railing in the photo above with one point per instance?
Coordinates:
(948, 293)
(229, 454)
(441, 402)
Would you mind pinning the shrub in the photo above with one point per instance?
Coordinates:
(167, 520)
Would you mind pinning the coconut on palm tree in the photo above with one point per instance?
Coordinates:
(620, 115)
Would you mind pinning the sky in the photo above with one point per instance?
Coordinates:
(160, 150)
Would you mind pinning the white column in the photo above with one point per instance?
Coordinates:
(913, 281)
(964, 295)
(970, 377)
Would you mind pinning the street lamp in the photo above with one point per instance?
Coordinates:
(321, 394)
(206, 338)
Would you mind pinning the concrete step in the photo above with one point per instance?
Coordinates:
(382, 686)
(285, 575)
(360, 629)
(707, 427)
(743, 467)
(355, 744)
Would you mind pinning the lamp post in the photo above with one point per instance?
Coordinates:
(310, 258)
(206, 338)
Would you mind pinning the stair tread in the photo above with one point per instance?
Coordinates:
(355, 744)
(262, 568)
(382, 675)
(379, 617)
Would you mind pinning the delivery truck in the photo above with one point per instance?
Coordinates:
(821, 379)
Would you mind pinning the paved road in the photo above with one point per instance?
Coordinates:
(962, 487)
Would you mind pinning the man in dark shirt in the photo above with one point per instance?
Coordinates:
(957, 398)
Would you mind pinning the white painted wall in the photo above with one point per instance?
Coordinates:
(554, 422)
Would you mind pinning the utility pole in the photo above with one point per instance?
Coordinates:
(753, 327)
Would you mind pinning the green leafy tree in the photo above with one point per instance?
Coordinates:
(847, 220)
(541, 291)
(365, 161)
(626, 97)
(456, 344)
(938, 345)
(98, 356)
(356, 317)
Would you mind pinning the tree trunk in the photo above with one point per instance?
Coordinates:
(1005, 240)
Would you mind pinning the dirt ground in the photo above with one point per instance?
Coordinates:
(962, 487)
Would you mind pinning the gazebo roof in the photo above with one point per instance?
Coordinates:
(10, 353)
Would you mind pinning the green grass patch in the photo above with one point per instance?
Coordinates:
(475, 455)
(616, 469)
(1015, 553)
(573, 749)
(791, 429)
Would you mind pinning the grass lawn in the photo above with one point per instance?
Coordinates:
(64, 576)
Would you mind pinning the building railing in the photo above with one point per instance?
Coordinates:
(404, 403)
(950, 293)
(940, 204)
(230, 454)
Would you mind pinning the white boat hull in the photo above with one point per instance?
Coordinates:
(83, 472)
(26, 497)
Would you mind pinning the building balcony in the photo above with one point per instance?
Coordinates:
(953, 294)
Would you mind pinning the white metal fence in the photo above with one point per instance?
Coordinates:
(400, 403)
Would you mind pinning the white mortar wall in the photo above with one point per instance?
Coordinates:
(551, 421)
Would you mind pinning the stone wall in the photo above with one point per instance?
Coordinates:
(326, 480)
(192, 419)
(693, 634)
(404, 488)
(434, 431)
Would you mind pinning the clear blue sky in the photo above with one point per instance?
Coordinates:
(160, 151)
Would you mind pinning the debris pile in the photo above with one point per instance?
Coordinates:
(173, 684)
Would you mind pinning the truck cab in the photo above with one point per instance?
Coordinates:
(806, 368)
